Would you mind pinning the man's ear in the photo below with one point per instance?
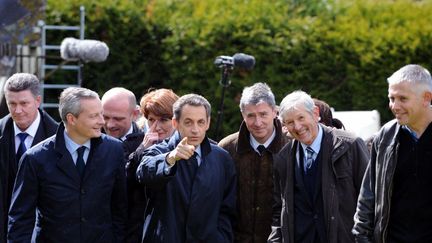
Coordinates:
(427, 98)
(70, 119)
(135, 113)
(174, 123)
(316, 113)
(38, 100)
(208, 123)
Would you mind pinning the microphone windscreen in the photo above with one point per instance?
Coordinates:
(85, 50)
(244, 61)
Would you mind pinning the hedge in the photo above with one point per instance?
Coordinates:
(338, 51)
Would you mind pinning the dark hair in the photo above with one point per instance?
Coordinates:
(326, 116)
(192, 100)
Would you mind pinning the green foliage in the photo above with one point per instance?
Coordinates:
(338, 51)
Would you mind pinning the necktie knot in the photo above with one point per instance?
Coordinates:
(22, 136)
(80, 151)
(261, 148)
(194, 159)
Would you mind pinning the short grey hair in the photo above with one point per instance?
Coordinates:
(257, 93)
(23, 81)
(70, 101)
(295, 100)
(414, 74)
(192, 100)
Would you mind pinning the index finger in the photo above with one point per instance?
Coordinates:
(184, 141)
(153, 127)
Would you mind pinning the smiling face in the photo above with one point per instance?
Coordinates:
(301, 124)
(259, 120)
(23, 107)
(193, 124)
(88, 123)
(407, 104)
(118, 116)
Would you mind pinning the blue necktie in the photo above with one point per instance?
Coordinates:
(80, 160)
(21, 148)
(309, 158)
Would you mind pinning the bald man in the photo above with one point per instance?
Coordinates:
(119, 112)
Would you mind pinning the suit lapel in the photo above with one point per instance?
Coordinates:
(66, 164)
(326, 169)
(40, 134)
(10, 136)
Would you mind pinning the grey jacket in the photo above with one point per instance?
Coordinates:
(344, 160)
(371, 220)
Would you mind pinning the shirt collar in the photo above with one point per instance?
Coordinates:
(71, 145)
(254, 143)
(32, 129)
(128, 132)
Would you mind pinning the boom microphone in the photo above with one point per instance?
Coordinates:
(238, 60)
(84, 50)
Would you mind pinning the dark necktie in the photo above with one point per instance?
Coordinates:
(261, 148)
(80, 160)
(21, 148)
(193, 165)
(309, 158)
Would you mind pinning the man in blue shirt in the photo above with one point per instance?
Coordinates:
(73, 181)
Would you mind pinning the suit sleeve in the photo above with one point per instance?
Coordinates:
(227, 213)
(119, 202)
(364, 216)
(276, 233)
(361, 160)
(152, 170)
(24, 201)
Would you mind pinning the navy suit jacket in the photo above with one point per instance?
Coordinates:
(69, 209)
(178, 213)
(8, 163)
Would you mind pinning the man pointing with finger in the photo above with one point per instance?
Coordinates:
(190, 181)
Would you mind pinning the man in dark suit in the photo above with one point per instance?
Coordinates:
(191, 181)
(317, 177)
(74, 181)
(25, 121)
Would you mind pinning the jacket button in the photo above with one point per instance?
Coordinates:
(332, 217)
(315, 216)
(83, 219)
(83, 191)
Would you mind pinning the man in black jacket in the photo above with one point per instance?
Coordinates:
(395, 201)
(317, 177)
(25, 126)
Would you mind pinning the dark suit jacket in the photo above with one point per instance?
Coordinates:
(8, 164)
(69, 209)
(178, 213)
(343, 163)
